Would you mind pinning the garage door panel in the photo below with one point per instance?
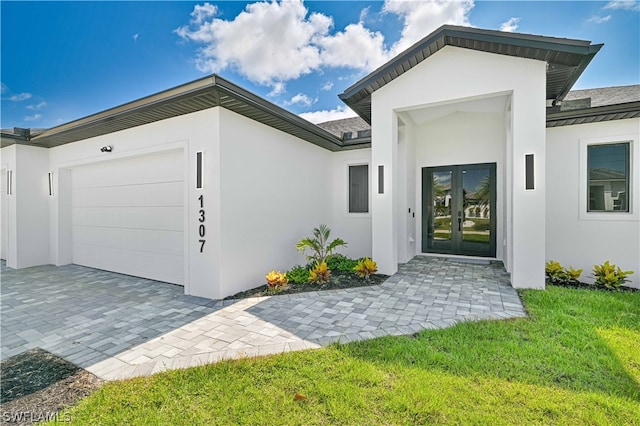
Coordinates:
(164, 167)
(127, 216)
(161, 267)
(159, 218)
(134, 240)
(161, 194)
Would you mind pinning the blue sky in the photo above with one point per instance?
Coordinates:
(66, 60)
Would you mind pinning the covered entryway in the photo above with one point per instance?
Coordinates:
(127, 216)
(458, 210)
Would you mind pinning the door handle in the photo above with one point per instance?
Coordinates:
(459, 224)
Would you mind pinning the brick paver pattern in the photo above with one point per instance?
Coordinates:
(118, 326)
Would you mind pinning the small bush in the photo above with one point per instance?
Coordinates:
(339, 262)
(276, 280)
(557, 274)
(320, 247)
(298, 275)
(366, 267)
(610, 276)
(320, 273)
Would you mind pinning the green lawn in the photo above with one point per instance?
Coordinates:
(576, 360)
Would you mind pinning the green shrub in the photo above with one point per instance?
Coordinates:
(339, 262)
(366, 267)
(557, 274)
(320, 246)
(298, 275)
(320, 273)
(610, 276)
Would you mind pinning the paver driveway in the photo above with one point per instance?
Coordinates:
(118, 326)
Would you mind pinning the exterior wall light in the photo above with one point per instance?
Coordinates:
(199, 170)
(107, 148)
(9, 181)
(51, 184)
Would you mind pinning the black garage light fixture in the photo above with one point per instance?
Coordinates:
(50, 184)
(199, 170)
(528, 172)
(106, 148)
(9, 183)
(380, 179)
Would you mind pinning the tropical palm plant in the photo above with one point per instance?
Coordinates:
(321, 249)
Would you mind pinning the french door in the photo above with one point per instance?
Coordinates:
(458, 209)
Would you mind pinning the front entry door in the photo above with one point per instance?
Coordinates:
(458, 210)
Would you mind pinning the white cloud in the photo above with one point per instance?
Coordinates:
(328, 115)
(599, 19)
(327, 86)
(277, 88)
(135, 37)
(202, 12)
(510, 26)
(37, 106)
(301, 99)
(355, 47)
(3, 88)
(421, 17)
(20, 97)
(33, 117)
(632, 5)
(270, 43)
(267, 42)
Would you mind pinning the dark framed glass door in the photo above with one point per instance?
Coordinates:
(458, 209)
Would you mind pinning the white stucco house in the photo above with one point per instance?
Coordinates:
(469, 143)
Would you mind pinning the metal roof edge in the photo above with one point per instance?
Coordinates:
(271, 108)
(585, 112)
(213, 84)
(568, 45)
(593, 114)
(163, 96)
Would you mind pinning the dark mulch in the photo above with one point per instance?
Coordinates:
(338, 280)
(585, 286)
(36, 385)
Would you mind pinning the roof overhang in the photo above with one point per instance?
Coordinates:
(566, 59)
(212, 91)
(594, 114)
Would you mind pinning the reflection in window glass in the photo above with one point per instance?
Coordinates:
(359, 189)
(608, 177)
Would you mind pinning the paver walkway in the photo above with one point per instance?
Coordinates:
(118, 326)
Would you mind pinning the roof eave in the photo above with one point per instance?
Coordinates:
(152, 109)
(594, 114)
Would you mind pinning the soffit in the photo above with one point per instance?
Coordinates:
(594, 114)
(566, 59)
(196, 96)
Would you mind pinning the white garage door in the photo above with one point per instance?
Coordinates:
(128, 216)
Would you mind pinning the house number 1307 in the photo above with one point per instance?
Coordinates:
(201, 229)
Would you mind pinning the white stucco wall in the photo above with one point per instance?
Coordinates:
(275, 188)
(354, 228)
(463, 138)
(189, 133)
(573, 236)
(461, 74)
(27, 205)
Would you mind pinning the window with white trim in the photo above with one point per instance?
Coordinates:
(359, 189)
(608, 176)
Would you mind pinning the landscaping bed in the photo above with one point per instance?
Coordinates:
(36, 385)
(338, 280)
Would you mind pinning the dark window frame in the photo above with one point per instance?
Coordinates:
(358, 202)
(597, 202)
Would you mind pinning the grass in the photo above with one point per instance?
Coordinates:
(575, 360)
